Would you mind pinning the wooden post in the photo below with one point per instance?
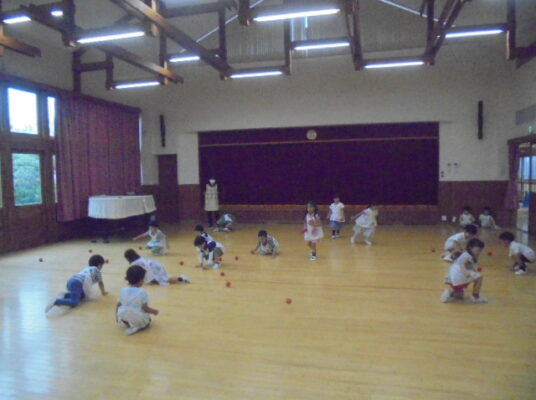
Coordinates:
(511, 29)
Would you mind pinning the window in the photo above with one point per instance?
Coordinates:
(22, 111)
(55, 178)
(51, 112)
(27, 179)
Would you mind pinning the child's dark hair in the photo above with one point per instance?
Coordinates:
(471, 229)
(135, 274)
(199, 228)
(96, 260)
(487, 209)
(262, 234)
(475, 242)
(336, 196)
(154, 223)
(311, 204)
(199, 241)
(507, 236)
(467, 208)
(131, 255)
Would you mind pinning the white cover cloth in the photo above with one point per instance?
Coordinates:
(119, 207)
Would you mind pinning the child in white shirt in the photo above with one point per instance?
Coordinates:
(155, 272)
(486, 219)
(312, 232)
(267, 245)
(464, 272)
(158, 243)
(132, 311)
(455, 245)
(365, 224)
(336, 217)
(466, 217)
(79, 285)
(519, 253)
(210, 253)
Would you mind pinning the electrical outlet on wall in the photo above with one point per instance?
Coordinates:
(443, 218)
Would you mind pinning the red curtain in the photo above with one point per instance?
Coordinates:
(512, 194)
(98, 153)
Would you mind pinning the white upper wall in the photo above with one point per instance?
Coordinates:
(327, 91)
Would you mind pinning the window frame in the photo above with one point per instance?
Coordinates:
(34, 91)
(41, 176)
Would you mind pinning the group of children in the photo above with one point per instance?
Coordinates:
(463, 250)
(485, 220)
(133, 311)
(365, 224)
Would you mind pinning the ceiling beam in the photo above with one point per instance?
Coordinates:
(525, 54)
(511, 29)
(112, 50)
(7, 42)
(140, 10)
(187, 11)
(357, 50)
(450, 12)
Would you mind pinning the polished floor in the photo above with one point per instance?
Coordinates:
(364, 323)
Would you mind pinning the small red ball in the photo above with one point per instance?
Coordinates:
(433, 250)
(228, 284)
(107, 261)
(141, 248)
(490, 253)
(222, 273)
(181, 263)
(220, 259)
(236, 258)
(479, 269)
(91, 251)
(289, 301)
(252, 252)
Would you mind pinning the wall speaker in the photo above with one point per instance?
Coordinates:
(162, 130)
(480, 120)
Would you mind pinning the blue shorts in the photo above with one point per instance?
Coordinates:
(336, 225)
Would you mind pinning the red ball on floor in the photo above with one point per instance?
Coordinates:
(181, 263)
(252, 252)
(490, 253)
(222, 273)
(107, 261)
(289, 301)
(433, 250)
(228, 284)
(236, 258)
(479, 269)
(91, 251)
(141, 248)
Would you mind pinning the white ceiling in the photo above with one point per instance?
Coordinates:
(384, 28)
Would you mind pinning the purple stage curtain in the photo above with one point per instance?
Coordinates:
(511, 201)
(280, 166)
(98, 153)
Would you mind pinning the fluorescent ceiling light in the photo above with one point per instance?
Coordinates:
(482, 32)
(185, 58)
(131, 85)
(319, 46)
(105, 38)
(253, 74)
(56, 13)
(17, 19)
(394, 64)
(298, 14)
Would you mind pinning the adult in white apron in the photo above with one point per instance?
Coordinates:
(212, 204)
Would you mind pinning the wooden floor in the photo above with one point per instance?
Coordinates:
(365, 323)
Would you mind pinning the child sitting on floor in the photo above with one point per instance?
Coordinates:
(267, 245)
(200, 231)
(365, 224)
(225, 223)
(79, 286)
(455, 245)
(158, 243)
(132, 311)
(486, 219)
(464, 272)
(519, 253)
(155, 272)
(210, 253)
(466, 217)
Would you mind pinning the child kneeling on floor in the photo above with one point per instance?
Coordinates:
(464, 272)
(155, 272)
(455, 245)
(519, 253)
(132, 311)
(210, 253)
